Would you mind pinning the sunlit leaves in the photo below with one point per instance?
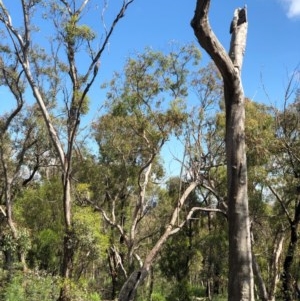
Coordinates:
(76, 33)
(81, 102)
(152, 78)
(147, 104)
(260, 136)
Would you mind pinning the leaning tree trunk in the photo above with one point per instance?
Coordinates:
(240, 282)
(261, 287)
(132, 283)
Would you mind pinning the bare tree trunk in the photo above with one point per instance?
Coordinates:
(287, 279)
(274, 265)
(240, 283)
(150, 285)
(69, 240)
(262, 290)
(9, 254)
(9, 257)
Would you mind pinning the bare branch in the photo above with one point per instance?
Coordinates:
(192, 211)
(94, 63)
(279, 199)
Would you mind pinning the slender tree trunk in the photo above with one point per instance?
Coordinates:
(262, 290)
(10, 254)
(274, 265)
(287, 279)
(150, 285)
(240, 283)
(69, 241)
(113, 271)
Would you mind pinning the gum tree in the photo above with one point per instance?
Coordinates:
(53, 75)
(240, 286)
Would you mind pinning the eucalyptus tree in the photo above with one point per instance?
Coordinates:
(205, 155)
(240, 285)
(9, 78)
(53, 74)
(285, 183)
(22, 148)
(156, 118)
(145, 109)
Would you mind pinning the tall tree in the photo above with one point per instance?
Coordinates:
(287, 189)
(21, 150)
(240, 286)
(145, 94)
(46, 73)
(146, 107)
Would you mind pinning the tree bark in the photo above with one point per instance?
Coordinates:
(274, 265)
(240, 283)
(21, 42)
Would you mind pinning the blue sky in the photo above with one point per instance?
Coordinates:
(273, 42)
(272, 52)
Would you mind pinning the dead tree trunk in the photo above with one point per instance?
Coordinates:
(240, 283)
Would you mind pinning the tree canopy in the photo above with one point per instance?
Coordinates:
(90, 212)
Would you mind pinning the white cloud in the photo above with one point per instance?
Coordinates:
(293, 8)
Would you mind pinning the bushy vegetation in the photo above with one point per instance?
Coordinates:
(80, 215)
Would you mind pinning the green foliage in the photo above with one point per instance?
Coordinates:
(157, 297)
(47, 246)
(37, 286)
(79, 291)
(181, 292)
(24, 240)
(32, 287)
(8, 243)
(77, 33)
(38, 209)
(259, 132)
(92, 243)
(154, 88)
(81, 102)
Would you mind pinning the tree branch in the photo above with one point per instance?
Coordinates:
(208, 40)
(281, 203)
